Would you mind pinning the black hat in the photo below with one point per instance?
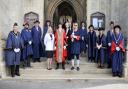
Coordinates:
(48, 21)
(60, 23)
(37, 21)
(117, 26)
(91, 26)
(101, 29)
(74, 21)
(15, 24)
(82, 22)
(26, 23)
(111, 22)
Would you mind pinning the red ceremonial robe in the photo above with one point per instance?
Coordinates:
(63, 41)
(113, 48)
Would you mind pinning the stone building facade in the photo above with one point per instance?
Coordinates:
(15, 11)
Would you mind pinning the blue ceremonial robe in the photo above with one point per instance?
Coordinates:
(91, 40)
(13, 41)
(75, 45)
(26, 36)
(100, 53)
(117, 56)
(109, 40)
(83, 42)
(37, 44)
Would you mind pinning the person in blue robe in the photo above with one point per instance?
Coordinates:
(83, 42)
(91, 43)
(75, 46)
(14, 45)
(47, 24)
(108, 40)
(117, 51)
(37, 43)
(27, 51)
(100, 48)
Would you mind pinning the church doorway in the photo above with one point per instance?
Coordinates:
(64, 13)
(65, 10)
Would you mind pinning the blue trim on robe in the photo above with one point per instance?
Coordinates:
(100, 54)
(108, 40)
(91, 46)
(26, 36)
(83, 33)
(11, 57)
(37, 43)
(75, 45)
(117, 57)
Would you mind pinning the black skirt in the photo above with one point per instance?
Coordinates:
(49, 54)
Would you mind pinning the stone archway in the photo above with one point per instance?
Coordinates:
(64, 13)
(74, 3)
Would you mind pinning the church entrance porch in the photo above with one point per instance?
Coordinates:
(65, 10)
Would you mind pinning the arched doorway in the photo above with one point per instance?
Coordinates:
(74, 8)
(64, 13)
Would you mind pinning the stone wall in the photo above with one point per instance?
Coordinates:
(103, 6)
(10, 12)
(36, 6)
(14, 10)
(115, 10)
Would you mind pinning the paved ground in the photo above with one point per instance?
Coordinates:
(64, 84)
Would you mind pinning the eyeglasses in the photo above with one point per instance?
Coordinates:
(75, 25)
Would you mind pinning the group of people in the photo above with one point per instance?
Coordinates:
(65, 44)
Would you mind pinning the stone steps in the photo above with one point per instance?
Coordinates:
(73, 76)
(67, 71)
(44, 65)
(87, 71)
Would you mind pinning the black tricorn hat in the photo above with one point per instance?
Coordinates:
(15, 24)
(91, 26)
(26, 23)
(117, 26)
(101, 29)
(37, 21)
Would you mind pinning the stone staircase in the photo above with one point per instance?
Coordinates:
(87, 71)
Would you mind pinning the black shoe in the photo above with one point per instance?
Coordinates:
(17, 70)
(102, 67)
(99, 66)
(72, 68)
(29, 66)
(12, 67)
(120, 75)
(114, 74)
(109, 66)
(89, 60)
(12, 75)
(38, 60)
(18, 74)
(77, 68)
(34, 61)
(63, 66)
(48, 68)
(57, 66)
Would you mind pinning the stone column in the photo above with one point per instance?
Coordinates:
(126, 63)
(2, 61)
